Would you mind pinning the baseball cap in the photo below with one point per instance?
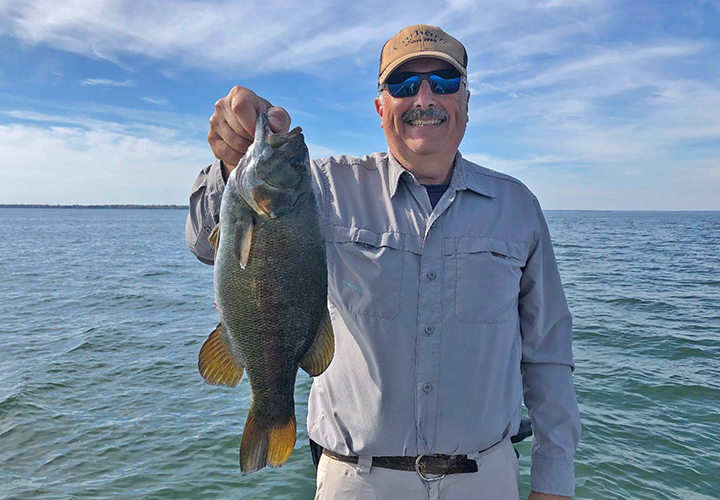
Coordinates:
(421, 40)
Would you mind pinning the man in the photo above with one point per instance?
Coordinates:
(444, 296)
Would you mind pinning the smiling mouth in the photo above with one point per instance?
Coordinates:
(425, 122)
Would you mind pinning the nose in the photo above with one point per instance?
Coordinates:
(425, 96)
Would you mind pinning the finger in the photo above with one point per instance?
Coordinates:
(223, 151)
(224, 115)
(230, 137)
(232, 121)
(245, 106)
(279, 119)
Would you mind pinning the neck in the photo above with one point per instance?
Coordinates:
(435, 169)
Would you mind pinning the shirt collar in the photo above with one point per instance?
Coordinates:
(466, 177)
(463, 176)
(395, 171)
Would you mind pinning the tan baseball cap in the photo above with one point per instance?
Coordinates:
(421, 40)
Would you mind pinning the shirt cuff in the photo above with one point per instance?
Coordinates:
(215, 181)
(554, 477)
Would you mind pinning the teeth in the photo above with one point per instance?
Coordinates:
(424, 123)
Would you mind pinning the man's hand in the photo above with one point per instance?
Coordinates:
(232, 125)
(534, 495)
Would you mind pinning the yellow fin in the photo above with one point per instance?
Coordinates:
(261, 446)
(282, 443)
(214, 236)
(321, 351)
(215, 362)
(244, 240)
(214, 239)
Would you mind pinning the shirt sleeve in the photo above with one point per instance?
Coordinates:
(547, 365)
(204, 214)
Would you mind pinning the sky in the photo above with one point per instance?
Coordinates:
(593, 104)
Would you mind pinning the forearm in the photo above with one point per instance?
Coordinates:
(204, 211)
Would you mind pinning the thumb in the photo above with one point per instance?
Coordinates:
(279, 119)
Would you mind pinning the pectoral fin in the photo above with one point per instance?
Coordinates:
(214, 238)
(321, 351)
(215, 362)
(243, 239)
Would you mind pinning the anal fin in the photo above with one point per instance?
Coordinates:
(215, 362)
(321, 351)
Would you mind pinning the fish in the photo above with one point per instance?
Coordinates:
(270, 282)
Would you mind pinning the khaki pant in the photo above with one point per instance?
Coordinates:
(497, 478)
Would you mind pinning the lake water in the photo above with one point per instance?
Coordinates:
(103, 313)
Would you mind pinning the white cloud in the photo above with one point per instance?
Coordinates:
(109, 83)
(79, 159)
(155, 100)
(606, 63)
(268, 35)
(223, 34)
(88, 113)
(616, 109)
(98, 164)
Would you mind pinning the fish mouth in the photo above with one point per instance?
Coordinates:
(276, 141)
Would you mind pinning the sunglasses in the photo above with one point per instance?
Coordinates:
(406, 84)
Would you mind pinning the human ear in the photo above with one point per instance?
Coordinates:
(379, 108)
(467, 106)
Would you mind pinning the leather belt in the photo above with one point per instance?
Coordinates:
(425, 464)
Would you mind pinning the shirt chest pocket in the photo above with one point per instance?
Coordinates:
(487, 275)
(366, 271)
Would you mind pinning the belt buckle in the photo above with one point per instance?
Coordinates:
(421, 475)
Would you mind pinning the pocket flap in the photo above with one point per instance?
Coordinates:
(517, 250)
(397, 241)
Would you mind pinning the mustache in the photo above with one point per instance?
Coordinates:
(419, 113)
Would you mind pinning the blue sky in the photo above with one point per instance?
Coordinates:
(594, 104)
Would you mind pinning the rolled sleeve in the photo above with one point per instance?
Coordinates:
(204, 213)
(547, 365)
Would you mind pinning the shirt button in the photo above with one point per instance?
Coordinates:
(427, 387)
(429, 329)
(431, 275)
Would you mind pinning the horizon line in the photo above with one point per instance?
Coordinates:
(174, 206)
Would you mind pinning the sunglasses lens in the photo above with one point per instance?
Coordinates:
(440, 85)
(405, 88)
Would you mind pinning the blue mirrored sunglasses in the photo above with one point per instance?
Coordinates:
(406, 84)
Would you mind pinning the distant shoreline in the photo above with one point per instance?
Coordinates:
(127, 206)
(121, 207)
(185, 207)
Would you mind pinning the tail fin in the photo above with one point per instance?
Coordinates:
(261, 446)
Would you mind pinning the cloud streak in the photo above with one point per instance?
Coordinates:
(106, 82)
(155, 100)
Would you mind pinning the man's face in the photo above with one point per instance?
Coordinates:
(409, 138)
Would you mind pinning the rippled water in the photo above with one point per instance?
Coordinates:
(104, 311)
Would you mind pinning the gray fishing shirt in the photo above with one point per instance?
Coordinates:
(445, 319)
